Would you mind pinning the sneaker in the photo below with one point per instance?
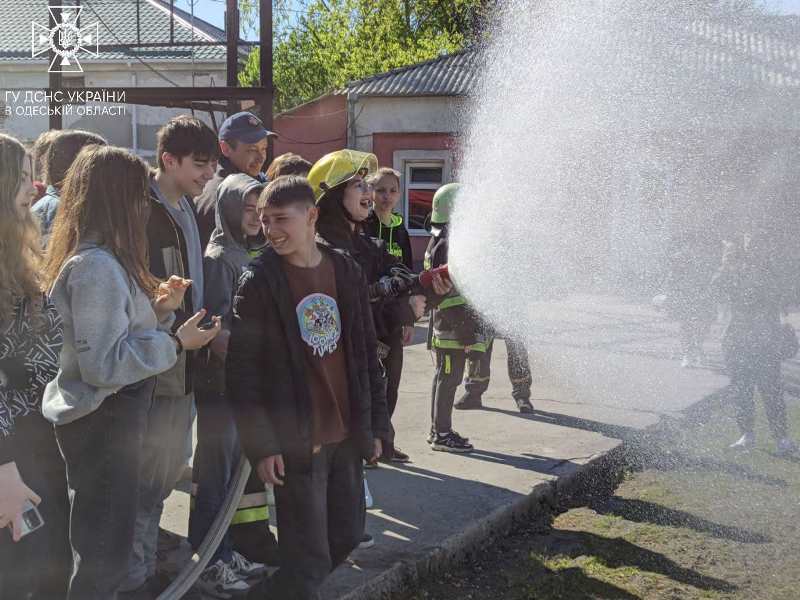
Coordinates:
(244, 568)
(467, 402)
(399, 456)
(786, 447)
(431, 436)
(451, 442)
(366, 541)
(219, 581)
(524, 405)
(746, 442)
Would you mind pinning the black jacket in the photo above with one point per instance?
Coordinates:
(205, 204)
(390, 314)
(750, 280)
(398, 242)
(169, 256)
(455, 324)
(29, 350)
(265, 372)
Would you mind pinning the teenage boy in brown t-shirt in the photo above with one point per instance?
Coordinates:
(303, 375)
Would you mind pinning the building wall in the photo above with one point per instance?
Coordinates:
(416, 114)
(313, 129)
(117, 129)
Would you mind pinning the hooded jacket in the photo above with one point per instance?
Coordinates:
(266, 378)
(227, 256)
(395, 235)
(205, 204)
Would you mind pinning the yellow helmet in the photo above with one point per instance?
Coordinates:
(340, 167)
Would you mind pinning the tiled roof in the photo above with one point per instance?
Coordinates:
(764, 52)
(449, 75)
(117, 25)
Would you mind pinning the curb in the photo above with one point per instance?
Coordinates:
(543, 501)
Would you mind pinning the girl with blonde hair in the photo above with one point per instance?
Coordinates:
(30, 340)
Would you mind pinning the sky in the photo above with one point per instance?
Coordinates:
(213, 11)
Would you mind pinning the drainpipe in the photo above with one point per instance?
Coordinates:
(134, 115)
(352, 137)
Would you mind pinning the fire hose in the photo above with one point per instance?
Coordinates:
(191, 572)
(401, 282)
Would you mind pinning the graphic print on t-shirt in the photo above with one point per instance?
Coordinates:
(320, 323)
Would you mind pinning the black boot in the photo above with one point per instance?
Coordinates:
(256, 543)
(524, 405)
(468, 402)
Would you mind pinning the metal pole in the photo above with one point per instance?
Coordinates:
(265, 69)
(54, 81)
(232, 36)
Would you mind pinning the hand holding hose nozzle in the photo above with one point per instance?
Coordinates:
(402, 282)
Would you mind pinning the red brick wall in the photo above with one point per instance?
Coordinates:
(385, 144)
(314, 129)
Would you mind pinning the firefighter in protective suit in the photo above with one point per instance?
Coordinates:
(476, 381)
(455, 332)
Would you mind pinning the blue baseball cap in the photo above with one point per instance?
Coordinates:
(244, 127)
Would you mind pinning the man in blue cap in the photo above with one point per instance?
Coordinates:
(243, 142)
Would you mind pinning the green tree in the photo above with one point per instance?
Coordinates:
(332, 42)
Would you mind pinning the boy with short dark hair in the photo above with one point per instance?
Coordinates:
(302, 372)
(187, 154)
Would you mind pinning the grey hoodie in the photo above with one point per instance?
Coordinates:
(226, 257)
(227, 253)
(112, 337)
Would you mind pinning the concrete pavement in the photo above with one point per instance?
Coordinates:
(603, 371)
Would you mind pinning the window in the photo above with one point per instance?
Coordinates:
(424, 172)
(422, 181)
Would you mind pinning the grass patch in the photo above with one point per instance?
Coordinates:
(698, 523)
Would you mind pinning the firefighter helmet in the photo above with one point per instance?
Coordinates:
(340, 167)
(443, 201)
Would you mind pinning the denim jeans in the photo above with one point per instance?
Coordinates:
(103, 455)
(215, 459)
(164, 456)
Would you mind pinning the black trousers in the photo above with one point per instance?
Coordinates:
(519, 371)
(765, 374)
(39, 565)
(321, 516)
(448, 376)
(394, 372)
(103, 453)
